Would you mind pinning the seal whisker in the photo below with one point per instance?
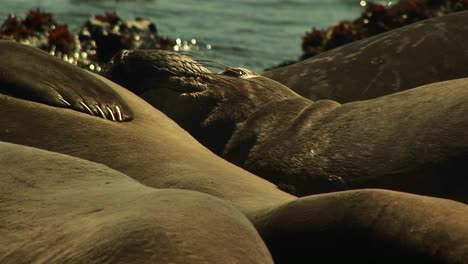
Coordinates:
(163, 69)
(214, 64)
(192, 74)
(232, 83)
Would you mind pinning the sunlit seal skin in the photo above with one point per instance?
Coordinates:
(62, 209)
(58, 85)
(153, 150)
(367, 226)
(429, 51)
(413, 141)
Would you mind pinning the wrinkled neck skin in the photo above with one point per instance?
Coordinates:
(215, 114)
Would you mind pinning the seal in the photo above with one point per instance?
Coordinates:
(353, 226)
(390, 62)
(156, 152)
(412, 141)
(85, 212)
(64, 88)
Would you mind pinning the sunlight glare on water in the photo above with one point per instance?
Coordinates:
(255, 34)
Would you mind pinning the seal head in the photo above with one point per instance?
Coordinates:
(209, 105)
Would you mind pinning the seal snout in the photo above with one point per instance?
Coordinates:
(143, 70)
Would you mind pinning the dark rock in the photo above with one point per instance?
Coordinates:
(95, 43)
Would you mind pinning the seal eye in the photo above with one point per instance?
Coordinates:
(234, 72)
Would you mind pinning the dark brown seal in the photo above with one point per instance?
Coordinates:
(156, 152)
(367, 226)
(429, 51)
(412, 141)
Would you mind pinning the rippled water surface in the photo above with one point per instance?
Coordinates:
(251, 33)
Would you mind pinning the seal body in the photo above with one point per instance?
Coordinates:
(360, 226)
(421, 53)
(154, 151)
(86, 212)
(174, 158)
(413, 141)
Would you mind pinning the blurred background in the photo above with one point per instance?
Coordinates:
(256, 34)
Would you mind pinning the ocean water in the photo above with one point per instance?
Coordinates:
(255, 34)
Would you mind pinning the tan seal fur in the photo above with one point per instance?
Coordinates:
(429, 51)
(156, 152)
(61, 209)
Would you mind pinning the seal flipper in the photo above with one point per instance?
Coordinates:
(29, 73)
